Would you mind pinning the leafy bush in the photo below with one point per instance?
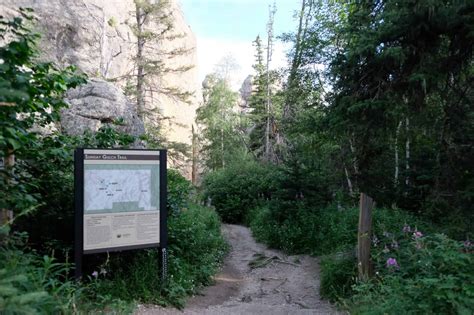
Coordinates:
(46, 172)
(39, 190)
(179, 191)
(196, 249)
(303, 229)
(236, 189)
(418, 274)
(298, 233)
(338, 274)
(35, 284)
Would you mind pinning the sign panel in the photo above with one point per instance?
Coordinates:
(119, 199)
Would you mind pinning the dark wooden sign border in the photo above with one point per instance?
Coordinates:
(79, 213)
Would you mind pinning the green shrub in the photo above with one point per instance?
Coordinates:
(236, 189)
(418, 275)
(46, 172)
(302, 229)
(179, 191)
(338, 274)
(39, 190)
(196, 249)
(296, 234)
(35, 284)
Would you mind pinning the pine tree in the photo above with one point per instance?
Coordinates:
(218, 123)
(257, 103)
(153, 26)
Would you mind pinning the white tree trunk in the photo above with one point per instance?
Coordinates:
(354, 159)
(349, 182)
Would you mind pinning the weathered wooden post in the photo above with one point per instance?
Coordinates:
(363, 237)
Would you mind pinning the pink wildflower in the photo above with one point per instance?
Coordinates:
(417, 234)
(406, 229)
(392, 263)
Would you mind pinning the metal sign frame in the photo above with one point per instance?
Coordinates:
(79, 212)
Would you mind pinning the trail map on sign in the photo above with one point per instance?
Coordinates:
(120, 189)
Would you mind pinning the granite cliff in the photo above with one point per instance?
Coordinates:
(97, 37)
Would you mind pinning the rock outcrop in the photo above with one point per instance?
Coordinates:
(96, 104)
(97, 37)
(245, 92)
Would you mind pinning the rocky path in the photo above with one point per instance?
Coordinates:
(257, 280)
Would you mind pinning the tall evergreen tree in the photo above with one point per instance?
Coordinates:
(153, 26)
(219, 133)
(257, 102)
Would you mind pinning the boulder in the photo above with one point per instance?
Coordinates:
(96, 104)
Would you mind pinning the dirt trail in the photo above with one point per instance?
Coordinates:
(280, 285)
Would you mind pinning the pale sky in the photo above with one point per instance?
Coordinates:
(228, 27)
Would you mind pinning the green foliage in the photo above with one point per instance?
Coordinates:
(234, 190)
(338, 275)
(30, 92)
(46, 174)
(392, 71)
(179, 191)
(295, 233)
(263, 108)
(220, 132)
(30, 97)
(40, 189)
(432, 275)
(304, 229)
(196, 249)
(35, 284)
(23, 285)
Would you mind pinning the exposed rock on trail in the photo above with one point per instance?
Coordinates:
(257, 280)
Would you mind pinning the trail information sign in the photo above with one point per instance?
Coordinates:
(120, 200)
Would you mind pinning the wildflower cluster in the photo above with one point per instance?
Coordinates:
(394, 246)
(102, 272)
(412, 265)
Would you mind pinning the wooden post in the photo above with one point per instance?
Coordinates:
(6, 215)
(363, 237)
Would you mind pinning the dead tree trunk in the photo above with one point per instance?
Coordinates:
(363, 237)
(349, 182)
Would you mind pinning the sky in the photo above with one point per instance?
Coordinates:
(228, 27)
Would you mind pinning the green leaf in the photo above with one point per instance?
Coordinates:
(15, 145)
